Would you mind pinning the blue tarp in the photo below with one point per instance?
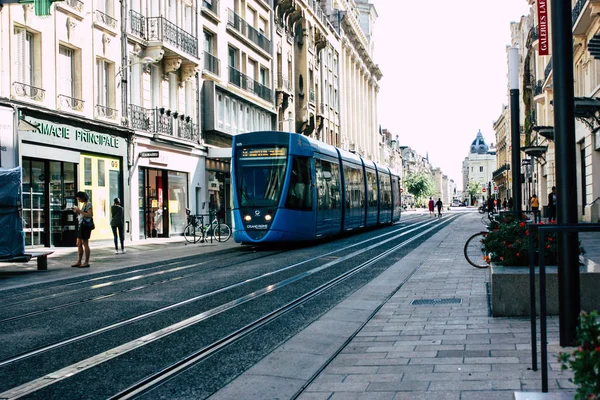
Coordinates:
(12, 242)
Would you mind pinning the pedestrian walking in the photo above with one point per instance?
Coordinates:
(84, 230)
(439, 207)
(552, 205)
(504, 204)
(431, 207)
(510, 203)
(117, 222)
(490, 204)
(535, 208)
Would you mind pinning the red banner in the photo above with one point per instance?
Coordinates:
(542, 11)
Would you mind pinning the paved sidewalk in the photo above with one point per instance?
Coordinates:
(103, 258)
(440, 351)
(407, 351)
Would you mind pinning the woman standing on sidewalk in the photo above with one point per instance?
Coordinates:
(84, 229)
(117, 222)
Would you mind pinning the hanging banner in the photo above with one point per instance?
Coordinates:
(542, 11)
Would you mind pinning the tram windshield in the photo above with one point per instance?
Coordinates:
(260, 173)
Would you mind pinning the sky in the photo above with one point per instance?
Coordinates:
(445, 71)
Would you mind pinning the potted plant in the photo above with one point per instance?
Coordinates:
(584, 361)
(507, 243)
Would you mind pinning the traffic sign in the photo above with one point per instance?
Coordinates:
(495, 188)
(483, 190)
(401, 190)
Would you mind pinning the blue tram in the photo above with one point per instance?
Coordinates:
(288, 187)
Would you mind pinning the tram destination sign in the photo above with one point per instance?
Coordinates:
(149, 154)
(264, 152)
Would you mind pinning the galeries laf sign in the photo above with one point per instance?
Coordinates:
(71, 133)
(542, 11)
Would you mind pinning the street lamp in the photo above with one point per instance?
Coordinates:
(145, 60)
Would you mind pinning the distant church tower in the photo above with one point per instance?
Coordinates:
(479, 166)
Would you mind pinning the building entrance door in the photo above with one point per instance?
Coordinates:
(156, 221)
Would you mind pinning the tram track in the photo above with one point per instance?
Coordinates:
(378, 241)
(123, 323)
(181, 366)
(138, 275)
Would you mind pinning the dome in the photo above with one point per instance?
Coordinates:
(479, 146)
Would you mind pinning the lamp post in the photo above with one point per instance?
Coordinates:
(515, 129)
(566, 170)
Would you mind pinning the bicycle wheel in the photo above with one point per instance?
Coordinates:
(191, 234)
(222, 232)
(474, 252)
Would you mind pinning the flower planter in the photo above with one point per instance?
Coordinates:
(509, 289)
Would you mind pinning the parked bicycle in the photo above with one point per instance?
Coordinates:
(474, 250)
(195, 230)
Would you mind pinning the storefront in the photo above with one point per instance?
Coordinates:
(64, 156)
(166, 181)
(218, 176)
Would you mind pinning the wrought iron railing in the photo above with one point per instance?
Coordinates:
(105, 19)
(106, 112)
(211, 5)
(548, 69)
(212, 63)
(243, 81)
(247, 30)
(160, 29)
(139, 118)
(24, 90)
(500, 171)
(577, 10)
(70, 102)
(138, 24)
(534, 33)
(538, 88)
(75, 5)
(159, 120)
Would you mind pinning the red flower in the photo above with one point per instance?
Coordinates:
(548, 246)
(527, 232)
(518, 254)
(522, 224)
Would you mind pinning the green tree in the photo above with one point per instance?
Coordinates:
(474, 188)
(420, 185)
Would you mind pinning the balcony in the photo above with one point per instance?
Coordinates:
(74, 5)
(24, 90)
(66, 102)
(500, 171)
(106, 20)
(244, 82)
(212, 6)
(163, 122)
(547, 70)
(212, 63)
(284, 84)
(162, 30)
(138, 24)
(248, 31)
(538, 88)
(106, 112)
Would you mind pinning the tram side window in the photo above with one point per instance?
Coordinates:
(355, 188)
(372, 183)
(328, 185)
(386, 192)
(299, 194)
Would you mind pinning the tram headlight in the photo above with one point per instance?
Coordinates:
(247, 218)
(268, 217)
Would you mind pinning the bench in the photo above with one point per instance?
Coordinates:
(40, 255)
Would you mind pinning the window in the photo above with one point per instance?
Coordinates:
(264, 76)
(24, 57)
(299, 195)
(480, 169)
(101, 173)
(262, 26)
(103, 88)
(87, 171)
(208, 42)
(106, 7)
(65, 67)
(251, 17)
(233, 55)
